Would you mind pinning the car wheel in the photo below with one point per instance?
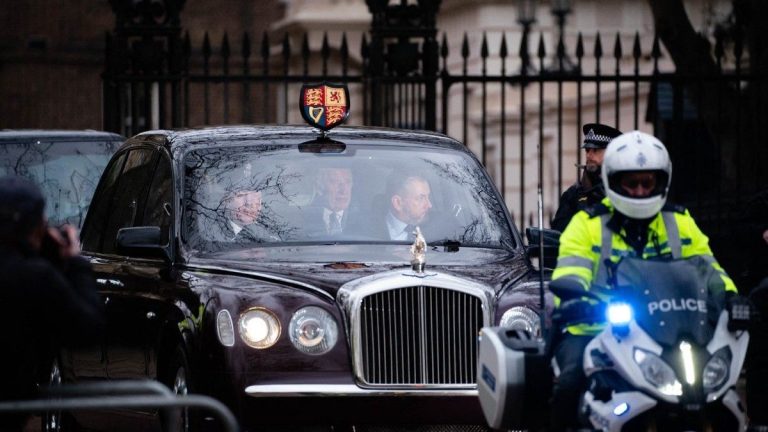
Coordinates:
(178, 379)
(56, 421)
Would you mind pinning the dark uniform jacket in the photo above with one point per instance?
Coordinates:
(581, 195)
(44, 307)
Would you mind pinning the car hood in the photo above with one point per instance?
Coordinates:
(328, 267)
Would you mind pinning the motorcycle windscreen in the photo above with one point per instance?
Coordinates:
(672, 299)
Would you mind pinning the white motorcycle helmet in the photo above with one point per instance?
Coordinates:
(636, 151)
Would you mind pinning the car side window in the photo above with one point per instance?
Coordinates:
(130, 195)
(159, 208)
(93, 230)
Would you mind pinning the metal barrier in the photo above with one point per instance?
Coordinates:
(121, 395)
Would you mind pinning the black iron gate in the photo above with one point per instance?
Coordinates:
(519, 113)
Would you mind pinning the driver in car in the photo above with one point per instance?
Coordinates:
(633, 220)
(409, 206)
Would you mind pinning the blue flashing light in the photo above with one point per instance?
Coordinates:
(621, 409)
(619, 314)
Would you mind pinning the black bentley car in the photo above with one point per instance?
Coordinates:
(303, 278)
(66, 164)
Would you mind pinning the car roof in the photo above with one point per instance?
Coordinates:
(15, 135)
(293, 134)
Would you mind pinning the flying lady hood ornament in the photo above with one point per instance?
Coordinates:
(325, 105)
(418, 252)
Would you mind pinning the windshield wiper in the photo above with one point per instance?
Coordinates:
(449, 245)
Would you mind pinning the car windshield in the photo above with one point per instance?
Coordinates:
(237, 197)
(66, 171)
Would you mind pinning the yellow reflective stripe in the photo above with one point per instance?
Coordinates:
(606, 239)
(575, 261)
(673, 234)
(584, 274)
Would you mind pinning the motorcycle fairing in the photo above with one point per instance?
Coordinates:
(601, 414)
(672, 299)
(738, 343)
(732, 401)
(621, 353)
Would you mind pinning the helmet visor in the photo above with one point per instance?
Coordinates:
(639, 184)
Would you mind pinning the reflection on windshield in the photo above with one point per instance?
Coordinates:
(244, 196)
(67, 172)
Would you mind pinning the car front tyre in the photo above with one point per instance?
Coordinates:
(178, 379)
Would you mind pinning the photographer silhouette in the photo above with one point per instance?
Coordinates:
(48, 298)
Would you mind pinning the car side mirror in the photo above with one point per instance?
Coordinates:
(143, 241)
(551, 245)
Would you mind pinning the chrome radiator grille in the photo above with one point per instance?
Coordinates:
(419, 336)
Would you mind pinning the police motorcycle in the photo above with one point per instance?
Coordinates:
(668, 357)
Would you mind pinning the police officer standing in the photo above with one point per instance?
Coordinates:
(634, 220)
(589, 189)
(48, 294)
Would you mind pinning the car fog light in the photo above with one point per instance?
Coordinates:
(224, 328)
(313, 330)
(259, 328)
(521, 318)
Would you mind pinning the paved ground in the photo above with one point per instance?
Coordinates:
(34, 424)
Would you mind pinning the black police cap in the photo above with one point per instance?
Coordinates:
(21, 203)
(597, 136)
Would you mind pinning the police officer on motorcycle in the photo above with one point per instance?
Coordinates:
(634, 220)
(588, 190)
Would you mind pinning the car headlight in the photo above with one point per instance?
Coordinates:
(716, 370)
(521, 318)
(658, 373)
(259, 328)
(313, 330)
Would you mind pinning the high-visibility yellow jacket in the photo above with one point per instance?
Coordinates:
(587, 241)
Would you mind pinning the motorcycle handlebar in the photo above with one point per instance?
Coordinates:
(579, 311)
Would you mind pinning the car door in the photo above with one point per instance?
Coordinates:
(121, 279)
(154, 298)
(89, 363)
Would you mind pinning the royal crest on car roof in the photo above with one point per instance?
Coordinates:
(324, 105)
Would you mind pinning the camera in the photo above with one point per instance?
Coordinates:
(50, 248)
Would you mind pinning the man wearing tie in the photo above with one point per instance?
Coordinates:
(409, 206)
(330, 213)
(243, 208)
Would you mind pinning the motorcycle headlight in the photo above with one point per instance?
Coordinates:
(259, 328)
(313, 330)
(716, 370)
(658, 373)
(521, 318)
